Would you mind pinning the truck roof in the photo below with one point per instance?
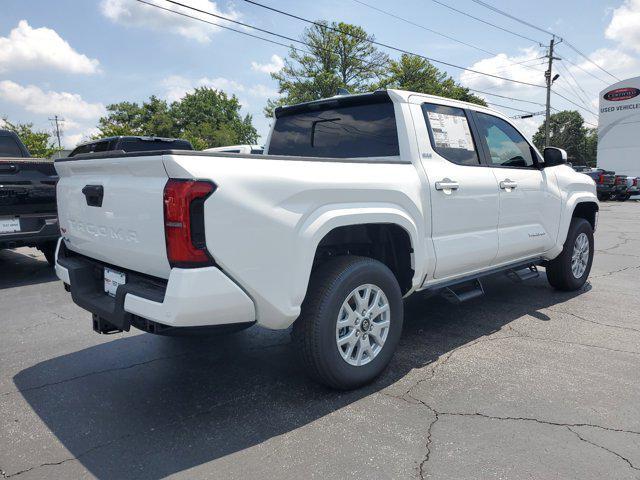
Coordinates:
(398, 96)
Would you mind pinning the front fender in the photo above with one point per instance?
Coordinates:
(573, 199)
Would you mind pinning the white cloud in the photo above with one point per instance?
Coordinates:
(71, 140)
(275, 65)
(35, 100)
(28, 47)
(131, 13)
(177, 86)
(625, 25)
(522, 67)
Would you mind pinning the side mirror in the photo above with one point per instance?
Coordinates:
(554, 156)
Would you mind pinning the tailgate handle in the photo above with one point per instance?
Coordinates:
(94, 195)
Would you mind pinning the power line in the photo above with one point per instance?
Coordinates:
(530, 25)
(385, 12)
(487, 23)
(512, 17)
(576, 83)
(510, 108)
(585, 71)
(373, 42)
(482, 92)
(221, 26)
(575, 104)
(589, 60)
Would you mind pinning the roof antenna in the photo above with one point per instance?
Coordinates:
(343, 91)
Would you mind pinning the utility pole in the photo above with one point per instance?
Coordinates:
(550, 80)
(57, 120)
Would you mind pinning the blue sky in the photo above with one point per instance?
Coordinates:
(73, 58)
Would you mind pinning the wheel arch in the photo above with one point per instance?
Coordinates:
(335, 226)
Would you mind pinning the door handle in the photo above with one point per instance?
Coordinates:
(508, 184)
(447, 184)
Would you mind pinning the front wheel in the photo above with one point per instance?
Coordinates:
(350, 323)
(570, 270)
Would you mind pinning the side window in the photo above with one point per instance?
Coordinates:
(450, 134)
(9, 147)
(506, 147)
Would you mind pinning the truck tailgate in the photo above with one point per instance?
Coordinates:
(111, 209)
(27, 186)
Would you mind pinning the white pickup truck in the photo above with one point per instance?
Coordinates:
(358, 201)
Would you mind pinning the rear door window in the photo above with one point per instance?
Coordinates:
(350, 131)
(450, 134)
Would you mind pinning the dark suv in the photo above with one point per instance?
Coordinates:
(131, 144)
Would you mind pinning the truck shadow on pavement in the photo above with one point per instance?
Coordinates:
(142, 406)
(19, 269)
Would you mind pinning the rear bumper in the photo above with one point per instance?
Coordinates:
(199, 297)
(604, 188)
(35, 230)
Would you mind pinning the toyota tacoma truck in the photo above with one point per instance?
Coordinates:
(358, 201)
(27, 198)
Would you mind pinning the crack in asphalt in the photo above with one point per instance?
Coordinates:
(603, 448)
(116, 440)
(124, 367)
(619, 327)
(608, 274)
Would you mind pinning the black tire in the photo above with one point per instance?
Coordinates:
(559, 271)
(314, 333)
(49, 251)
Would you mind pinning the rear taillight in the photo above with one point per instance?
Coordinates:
(184, 222)
(601, 178)
(635, 182)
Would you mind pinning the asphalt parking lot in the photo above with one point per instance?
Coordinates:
(523, 383)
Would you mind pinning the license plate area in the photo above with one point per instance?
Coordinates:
(112, 280)
(9, 225)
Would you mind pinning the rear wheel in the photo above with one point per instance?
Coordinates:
(570, 270)
(350, 323)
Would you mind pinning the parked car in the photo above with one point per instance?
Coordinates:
(605, 181)
(244, 149)
(626, 187)
(27, 198)
(359, 201)
(131, 144)
(620, 188)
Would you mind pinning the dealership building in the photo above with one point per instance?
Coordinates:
(619, 128)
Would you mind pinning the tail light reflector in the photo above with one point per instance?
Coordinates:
(184, 222)
(635, 182)
(601, 178)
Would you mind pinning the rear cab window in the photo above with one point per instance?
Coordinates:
(144, 145)
(9, 147)
(450, 134)
(353, 127)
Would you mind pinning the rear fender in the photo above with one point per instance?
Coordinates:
(322, 221)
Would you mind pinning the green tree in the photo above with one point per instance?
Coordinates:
(39, 142)
(340, 55)
(418, 75)
(206, 117)
(567, 131)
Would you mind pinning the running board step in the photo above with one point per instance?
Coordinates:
(463, 292)
(523, 274)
